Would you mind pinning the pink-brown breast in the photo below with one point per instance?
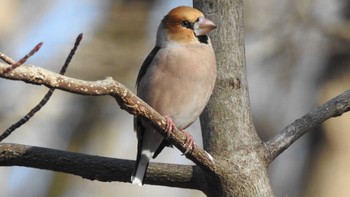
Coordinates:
(179, 82)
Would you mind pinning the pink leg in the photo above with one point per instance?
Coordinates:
(170, 126)
(190, 144)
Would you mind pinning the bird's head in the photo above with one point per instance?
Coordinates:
(186, 25)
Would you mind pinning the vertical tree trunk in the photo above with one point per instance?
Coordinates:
(228, 131)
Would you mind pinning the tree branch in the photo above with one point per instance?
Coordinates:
(332, 108)
(14, 65)
(96, 167)
(126, 99)
(49, 93)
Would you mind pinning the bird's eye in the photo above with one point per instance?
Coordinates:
(187, 24)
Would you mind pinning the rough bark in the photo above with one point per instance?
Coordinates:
(98, 168)
(228, 131)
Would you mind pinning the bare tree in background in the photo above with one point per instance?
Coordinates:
(241, 158)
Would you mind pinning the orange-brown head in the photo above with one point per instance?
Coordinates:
(186, 25)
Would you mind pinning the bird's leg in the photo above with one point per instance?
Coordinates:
(170, 126)
(190, 144)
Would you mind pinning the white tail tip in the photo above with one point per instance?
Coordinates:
(136, 181)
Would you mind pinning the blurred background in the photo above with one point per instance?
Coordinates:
(298, 56)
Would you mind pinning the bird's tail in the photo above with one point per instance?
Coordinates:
(140, 170)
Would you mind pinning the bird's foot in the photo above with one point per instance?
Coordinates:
(170, 126)
(190, 144)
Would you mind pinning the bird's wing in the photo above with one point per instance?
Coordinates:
(141, 166)
(138, 127)
(146, 64)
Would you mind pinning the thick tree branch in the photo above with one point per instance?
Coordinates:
(334, 107)
(126, 99)
(98, 168)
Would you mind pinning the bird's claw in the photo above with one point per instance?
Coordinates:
(190, 144)
(170, 126)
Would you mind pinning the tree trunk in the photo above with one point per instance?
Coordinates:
(228, 131)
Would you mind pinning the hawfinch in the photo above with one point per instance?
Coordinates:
(176, 79)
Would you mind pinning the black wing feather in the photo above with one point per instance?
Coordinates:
(146, 64)
(161, 147)
(139, 128)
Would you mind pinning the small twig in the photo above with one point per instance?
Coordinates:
(26, 118)
(71, 54)
(47, 96)
(24, 59)
(332, 108)
(7, 59)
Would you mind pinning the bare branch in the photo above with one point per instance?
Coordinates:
(334, 107)
(71, 54)
(47, 96)
(96, 167)
(7, 59)
(24, 59)
(126, 99)
(27, 117)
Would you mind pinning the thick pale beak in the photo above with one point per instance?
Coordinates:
(203, 26)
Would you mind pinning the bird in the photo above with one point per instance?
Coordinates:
(176, 79)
